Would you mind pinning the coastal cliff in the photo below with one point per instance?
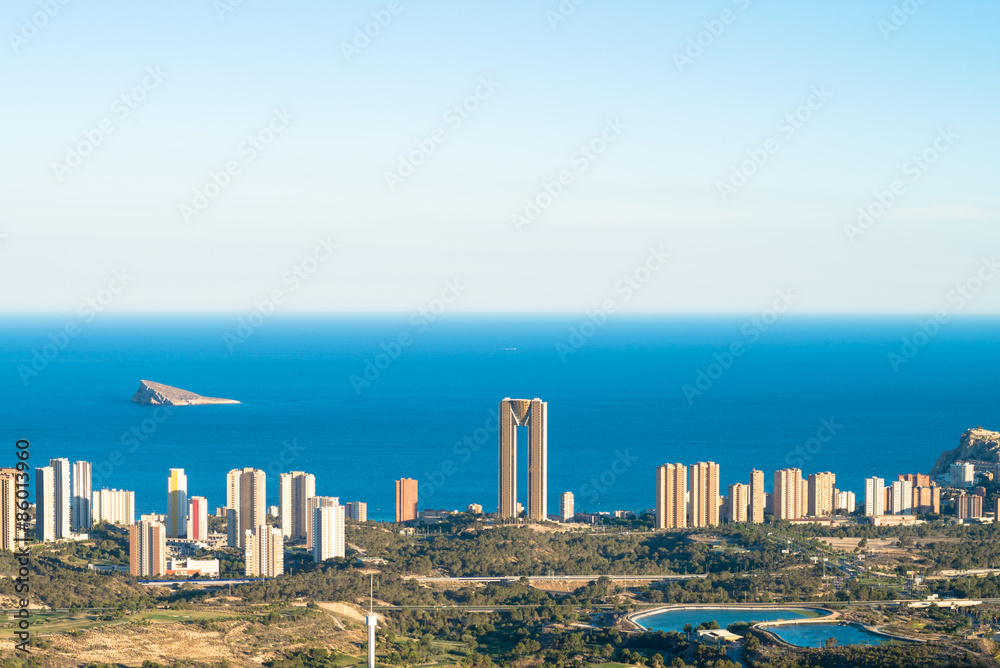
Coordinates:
(158, 394)
(977, 444)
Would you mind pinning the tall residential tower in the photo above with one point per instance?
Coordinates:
(177, 504)
(295, 488)
(406, 499)
(60, 496)
(703, 506)
(80, 506)
(245, 503)
(671, 496)
(758, 497)
(530, 413)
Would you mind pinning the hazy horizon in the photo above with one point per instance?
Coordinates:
(198, 158)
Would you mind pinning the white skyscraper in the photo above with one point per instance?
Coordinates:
(875, 496)
(845, 501)
(114, 506)
(294, 489)
(45, 515)
(312, 503)
(902, 497)
(328, 541)
(566, 511)
(61, 496)
(82, 494)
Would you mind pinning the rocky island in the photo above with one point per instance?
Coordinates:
(974, 445)
(158, 394)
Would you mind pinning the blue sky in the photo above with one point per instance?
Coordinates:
(680, 131)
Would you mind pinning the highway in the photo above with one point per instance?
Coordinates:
(560, 578)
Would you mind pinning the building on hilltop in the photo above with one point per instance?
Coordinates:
(356, 511)
(406, 500)
(264, 552)
(328, 541)
(81, 506)
(566, 510)
(147, 543)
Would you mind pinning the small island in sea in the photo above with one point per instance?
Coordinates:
(158, 394)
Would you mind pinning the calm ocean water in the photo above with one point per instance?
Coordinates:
(617, 407)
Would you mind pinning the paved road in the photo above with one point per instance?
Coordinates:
(562, 578)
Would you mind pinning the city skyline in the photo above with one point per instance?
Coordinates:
(744, 250)
(689, 487)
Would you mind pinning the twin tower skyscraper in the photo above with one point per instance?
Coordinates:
(530, 413)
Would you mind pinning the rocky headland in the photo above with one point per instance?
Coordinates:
(158, 394)
(975, 444)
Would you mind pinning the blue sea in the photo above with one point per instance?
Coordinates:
(818, 393)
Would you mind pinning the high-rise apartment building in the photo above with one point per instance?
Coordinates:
(917, 479)
(61, 494)
(312, 503)
(902, 498)
(529, 413)
(874, 496)
(80, 505)
(474, 509)
(295, 488)
(671, 496)
(739, 502)
(114, 506)
(927, 500)
(356, 511)
(147, 548)
(264, 552)
(12, 533)
(963, 474)
(803, 497)
(845, 501)
(968, 506)
(45, 512)
(703, 491)
(329, 538)
(566, 510)
(197, 518)
(788, 489)
(406, 499)
(758, 497)
(821, 499)
(245, 502)
(177, 504)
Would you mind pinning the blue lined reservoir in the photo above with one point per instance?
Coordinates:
(675, 618)
(815, 635)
